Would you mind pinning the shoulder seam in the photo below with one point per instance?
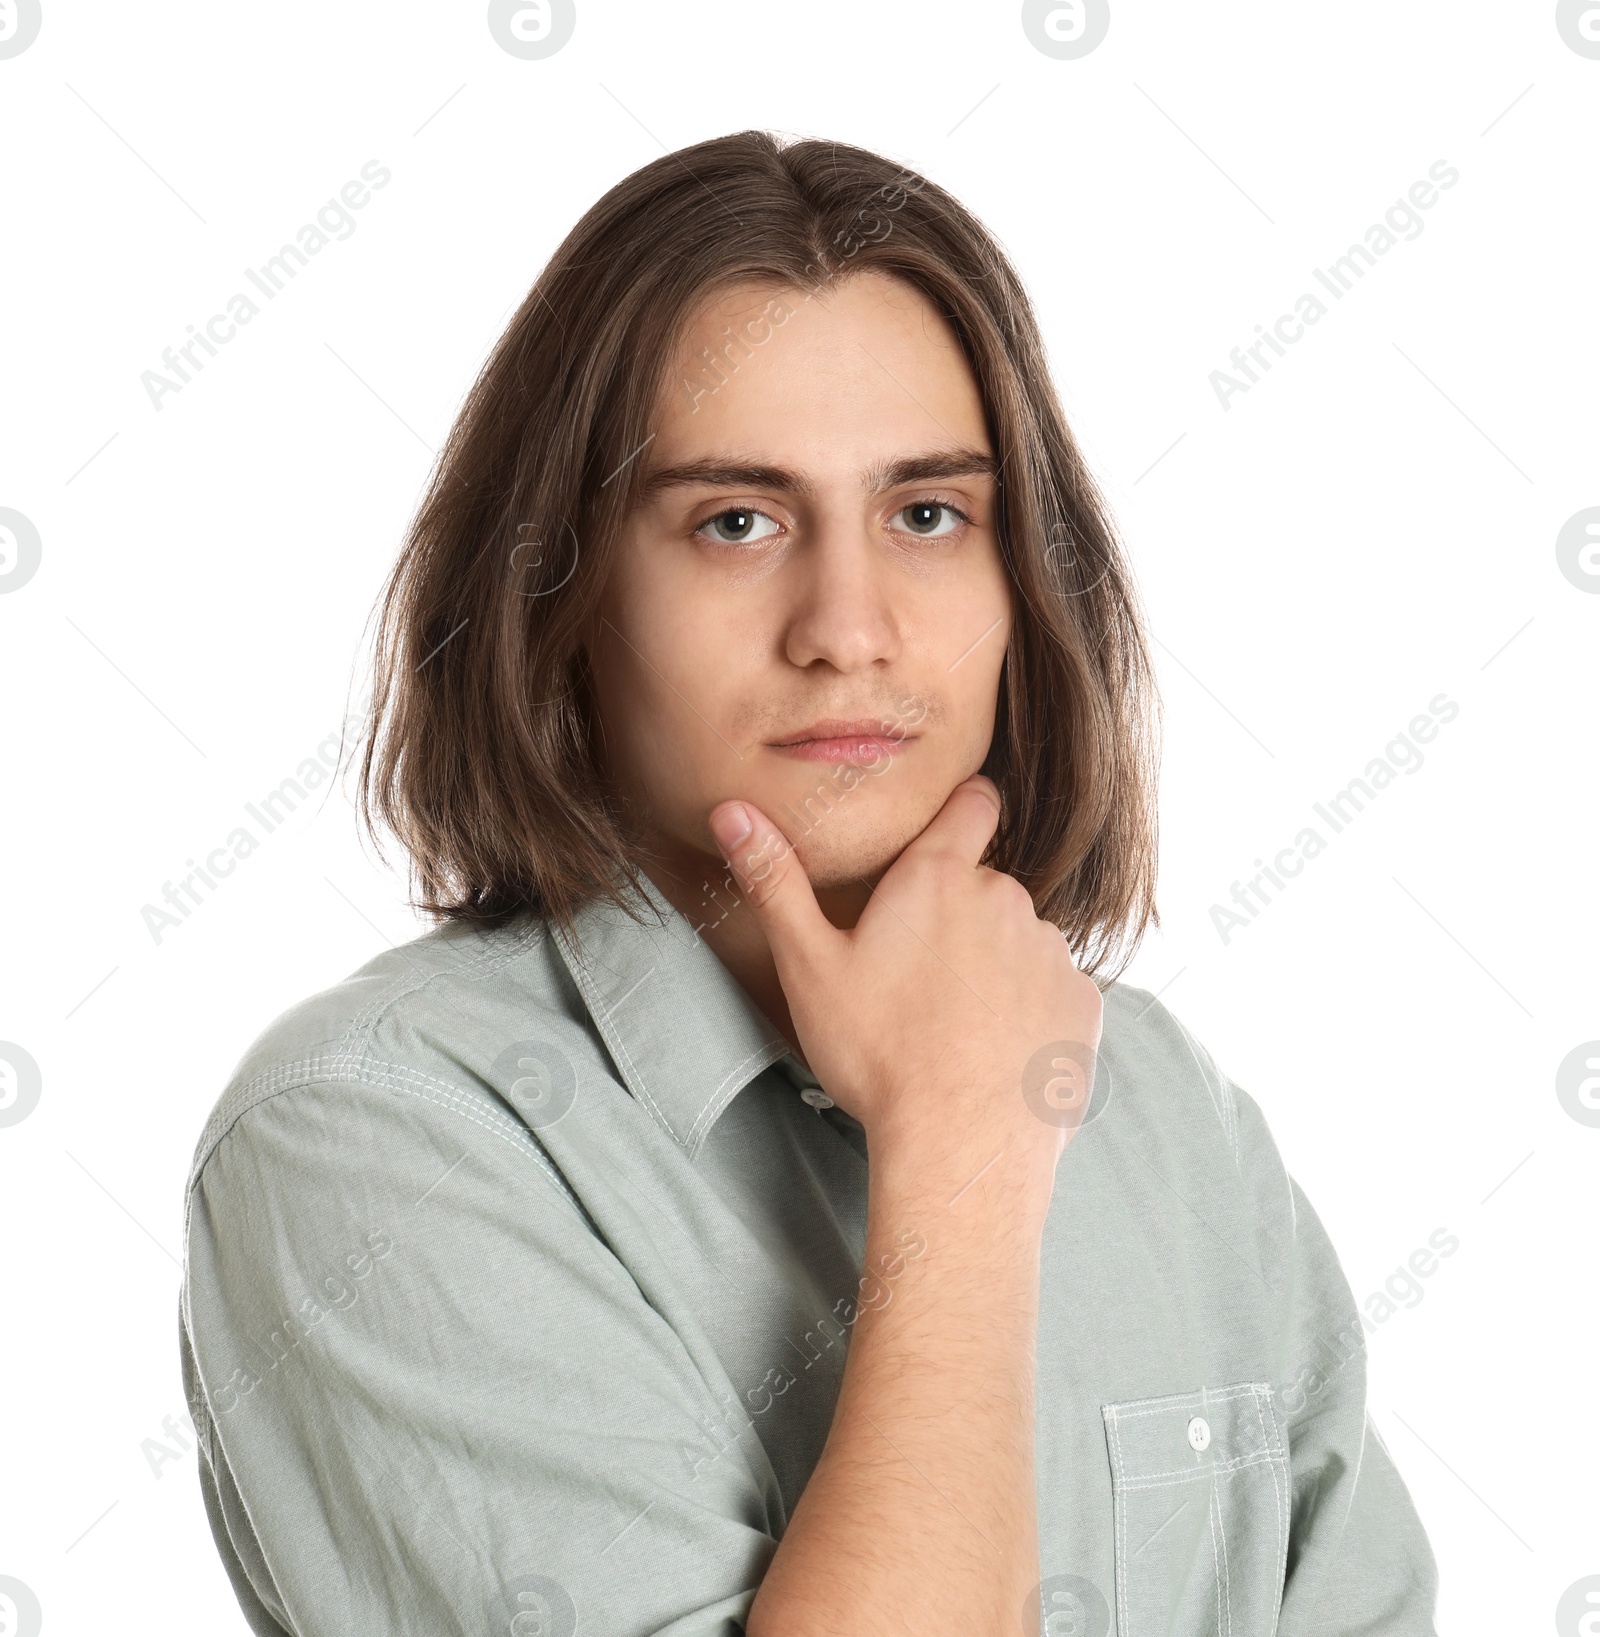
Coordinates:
(472, 970)
(349, 1068)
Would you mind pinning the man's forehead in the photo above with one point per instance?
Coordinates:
(862, 336)
(860, 387)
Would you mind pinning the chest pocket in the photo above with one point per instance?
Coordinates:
(1200, 1488)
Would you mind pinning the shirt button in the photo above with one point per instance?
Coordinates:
(1199, 1433)
(817, 1099)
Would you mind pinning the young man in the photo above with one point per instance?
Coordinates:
(820, 1241)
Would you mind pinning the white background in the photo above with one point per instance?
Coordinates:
(1371, 525)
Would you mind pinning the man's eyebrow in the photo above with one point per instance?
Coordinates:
(932, 467)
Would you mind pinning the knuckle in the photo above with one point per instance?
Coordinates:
(761, 893)
(1013, 898)
(1049, 935)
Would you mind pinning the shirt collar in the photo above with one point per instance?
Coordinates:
(683, 1033)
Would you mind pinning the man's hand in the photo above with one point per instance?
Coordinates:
(927, 1017)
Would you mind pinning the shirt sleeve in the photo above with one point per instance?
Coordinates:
(1358, 1563)
(432, 1400)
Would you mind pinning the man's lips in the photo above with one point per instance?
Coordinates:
(836, 740)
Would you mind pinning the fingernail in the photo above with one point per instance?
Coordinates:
(730, 825)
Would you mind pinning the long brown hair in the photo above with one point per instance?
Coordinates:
(478, 752)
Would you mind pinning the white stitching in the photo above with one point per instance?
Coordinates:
(1272, 1454)
(1279, 1491)
(1224, 1587)
(497, 953)
(345, 1070)
(730, 1088)
(470, 970)
(1182, 1475)
(1119, 1512)
(1197, 1400)
(1272, 1449)
(1268, 1441)
(600, 1011)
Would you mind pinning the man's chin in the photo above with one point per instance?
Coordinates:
(846, 861)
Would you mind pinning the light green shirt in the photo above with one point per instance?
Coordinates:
(520, 1278)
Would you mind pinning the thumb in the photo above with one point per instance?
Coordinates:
(775, 885)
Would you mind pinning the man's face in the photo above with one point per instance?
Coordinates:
(798, 616)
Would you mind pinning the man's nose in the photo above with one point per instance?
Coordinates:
(843, 585)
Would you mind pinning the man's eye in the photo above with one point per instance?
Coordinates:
(738, 526)
(925, 517)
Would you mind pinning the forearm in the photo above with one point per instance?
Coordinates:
(923, 1497)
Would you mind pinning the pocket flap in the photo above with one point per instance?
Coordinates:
(1192, 1436)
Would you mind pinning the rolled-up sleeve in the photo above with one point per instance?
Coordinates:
(432, 1400)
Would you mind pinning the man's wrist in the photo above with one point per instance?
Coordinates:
(1005, 1181)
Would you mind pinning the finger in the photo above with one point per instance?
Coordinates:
(964, 826)
(775, 886)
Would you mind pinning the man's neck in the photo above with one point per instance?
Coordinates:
(692, 882)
